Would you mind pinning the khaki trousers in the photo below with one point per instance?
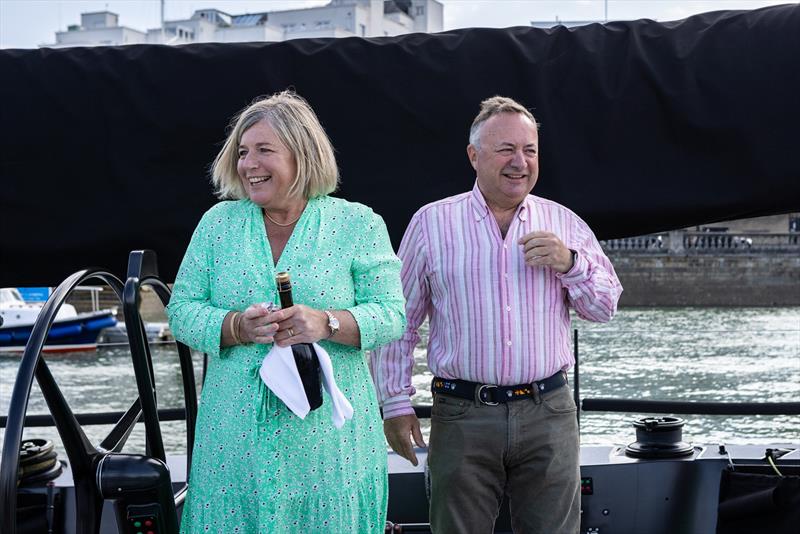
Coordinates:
(525, 449)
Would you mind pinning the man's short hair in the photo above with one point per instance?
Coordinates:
(494, 106)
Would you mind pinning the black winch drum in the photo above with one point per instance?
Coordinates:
(659, 437)
(38, 463)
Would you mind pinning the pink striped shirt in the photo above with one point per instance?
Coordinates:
(493, 319)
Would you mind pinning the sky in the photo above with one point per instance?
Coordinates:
(31, 23)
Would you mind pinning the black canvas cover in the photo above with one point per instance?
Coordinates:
(645, 126)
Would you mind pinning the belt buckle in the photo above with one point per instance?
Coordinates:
(480, 390)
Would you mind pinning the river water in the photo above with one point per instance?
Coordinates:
(692, 354)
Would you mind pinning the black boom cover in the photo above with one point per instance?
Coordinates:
(645, 126)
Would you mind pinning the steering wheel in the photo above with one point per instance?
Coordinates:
(86, 460)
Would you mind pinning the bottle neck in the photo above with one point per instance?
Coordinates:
(285, 296)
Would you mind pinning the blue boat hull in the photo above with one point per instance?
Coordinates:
(75, 334)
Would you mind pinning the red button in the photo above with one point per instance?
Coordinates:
(148, 523)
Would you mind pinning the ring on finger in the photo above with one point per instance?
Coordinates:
(291, 332)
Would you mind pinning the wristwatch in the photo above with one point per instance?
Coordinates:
(333, 323)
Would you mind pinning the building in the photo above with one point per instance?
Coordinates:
(548, 24)
(338, 18)
(97, 29)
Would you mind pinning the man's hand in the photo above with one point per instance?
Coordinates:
(545, 248)
(398, 430)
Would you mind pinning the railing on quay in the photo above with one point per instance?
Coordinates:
(683, 242)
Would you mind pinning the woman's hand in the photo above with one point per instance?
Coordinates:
(299, 324)
(256, 326)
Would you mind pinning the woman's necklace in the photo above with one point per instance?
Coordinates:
(282, 224)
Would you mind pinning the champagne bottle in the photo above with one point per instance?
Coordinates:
(305, 357)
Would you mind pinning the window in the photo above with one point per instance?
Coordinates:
(363, 30)
(419, 11)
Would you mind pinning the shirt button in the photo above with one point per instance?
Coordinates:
(508, 308)
(508, 343)
(505, 246)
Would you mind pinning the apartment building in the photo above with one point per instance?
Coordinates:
(338, 18)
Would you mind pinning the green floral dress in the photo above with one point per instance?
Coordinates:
(256, 466)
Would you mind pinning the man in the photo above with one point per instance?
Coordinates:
(496, 270)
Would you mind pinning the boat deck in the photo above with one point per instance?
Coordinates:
(619, 494)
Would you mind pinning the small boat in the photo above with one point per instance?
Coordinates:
(155, 332)
(71, 331)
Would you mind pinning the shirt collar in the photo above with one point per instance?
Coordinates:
(481, 209)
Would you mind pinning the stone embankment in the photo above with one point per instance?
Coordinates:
(151, 308)
(719, 280)
(704, 269)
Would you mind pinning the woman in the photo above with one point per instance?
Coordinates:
(257, 467)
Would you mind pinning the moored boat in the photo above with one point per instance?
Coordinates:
(71, 331)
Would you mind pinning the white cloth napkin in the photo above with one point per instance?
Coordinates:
(279, 373)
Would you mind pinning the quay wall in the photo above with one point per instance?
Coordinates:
(150, 305)
(739, 279)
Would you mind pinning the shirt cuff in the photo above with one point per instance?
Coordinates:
(397, 406)
(579, 272)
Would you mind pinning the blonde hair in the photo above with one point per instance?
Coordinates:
(494, 106)
(300, 131)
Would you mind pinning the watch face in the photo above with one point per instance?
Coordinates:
(333, 322)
